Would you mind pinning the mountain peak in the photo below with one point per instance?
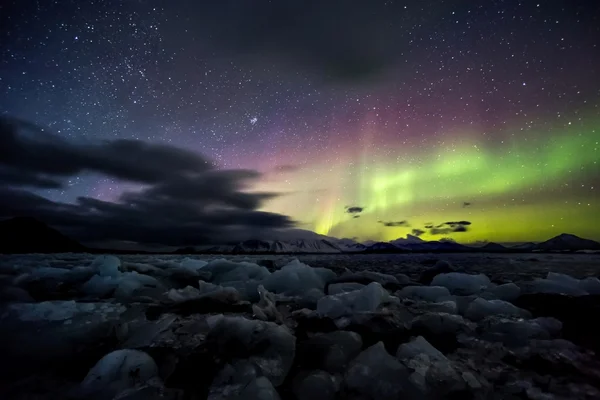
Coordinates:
(410, 239)
(569, 242)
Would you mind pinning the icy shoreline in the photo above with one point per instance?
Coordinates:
(318, 327)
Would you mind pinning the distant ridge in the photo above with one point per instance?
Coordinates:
(29, 235)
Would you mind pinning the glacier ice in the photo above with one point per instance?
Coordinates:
(460, 283)
(228, 271)
(426, 293)
(418, 346)
(375, 374)
(296, 279)
(268, 346)
(107, 265)
(506, 292)
(367, 299)
(120, 370)
(481, 308)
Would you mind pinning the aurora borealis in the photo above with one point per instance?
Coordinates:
(478, 111)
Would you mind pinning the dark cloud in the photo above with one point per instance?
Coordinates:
(447, 240)
(185, 200)
(453, 223)
(354, 209)
(340, 39)
(448, 227)
(395, 223)
(418, 232)
(27, 149)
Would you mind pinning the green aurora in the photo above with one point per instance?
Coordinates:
(528, 187)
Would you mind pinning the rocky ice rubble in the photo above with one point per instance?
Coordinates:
(167, 327)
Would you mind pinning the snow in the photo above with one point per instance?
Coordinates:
(460, 283)
(367, 299)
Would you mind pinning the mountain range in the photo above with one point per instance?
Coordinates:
(28, 235)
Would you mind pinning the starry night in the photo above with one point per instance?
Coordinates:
(299, 199)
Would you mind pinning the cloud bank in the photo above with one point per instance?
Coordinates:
(185, 199)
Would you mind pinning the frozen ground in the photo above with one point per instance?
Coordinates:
(421, 326)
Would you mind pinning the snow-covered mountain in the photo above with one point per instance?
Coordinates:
(293, 246)
(567, 242)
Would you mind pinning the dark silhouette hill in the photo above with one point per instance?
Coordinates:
(29, 235)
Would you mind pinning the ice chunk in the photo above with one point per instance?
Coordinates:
(48, 310)
(259, 389)
(506, 292)
(590, 285)
(551, 325)
(100, 286)
(418, 346)
(440, 267)
(426, 293)
(269, 347)
(481, 308)
(439, 323)
(231, 380)
(315, 385)
(460, 283)
(330, 352)
(50, 273)
(248, 289)
(186, 293)
(338, 288)
(107, 265)
(515, 332)
(266, 309)
(193, 265)
(375, 374)
(296, 279)
(130, 284)
(383, 279)
(367, 299)
(228, 271)
(240, 381)
(562, 278)
(120, 370)
(432, 372)
(556, 286)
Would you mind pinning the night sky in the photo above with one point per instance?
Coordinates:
(365, 119)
